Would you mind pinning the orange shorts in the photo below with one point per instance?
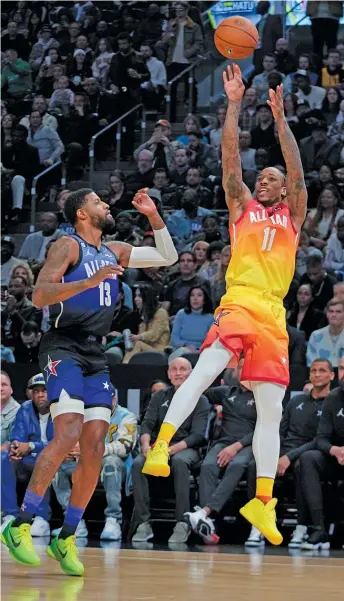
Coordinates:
(254, 323)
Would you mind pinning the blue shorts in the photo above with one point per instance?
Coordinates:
(76, 375)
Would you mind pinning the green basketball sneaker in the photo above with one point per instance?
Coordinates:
(66, 552)
(19, 542)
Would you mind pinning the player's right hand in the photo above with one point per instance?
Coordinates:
(108, 271)
(233, 83)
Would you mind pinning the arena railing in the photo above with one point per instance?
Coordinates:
(118, 124)
(191, 80)
(34, 189)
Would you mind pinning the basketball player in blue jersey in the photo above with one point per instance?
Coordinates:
(80, 283)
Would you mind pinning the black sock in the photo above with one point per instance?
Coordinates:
(67, 531)
(24, 517)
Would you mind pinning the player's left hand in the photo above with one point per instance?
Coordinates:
(276, 102)
(143, 203)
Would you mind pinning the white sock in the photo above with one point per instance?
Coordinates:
(211, 363)
(266, 439)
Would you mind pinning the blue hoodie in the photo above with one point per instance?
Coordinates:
(27, 429)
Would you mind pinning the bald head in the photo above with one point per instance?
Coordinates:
(178, 371)
(282, 45)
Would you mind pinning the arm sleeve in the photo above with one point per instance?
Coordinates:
(196, 438)
(176, 339)
(295, 453)
(150, 421)
(325, 427)
(164, 255)
(126, 438)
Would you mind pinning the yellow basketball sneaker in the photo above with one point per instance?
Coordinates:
(263, 517)
(156, 463)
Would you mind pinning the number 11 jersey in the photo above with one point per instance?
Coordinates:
(92, 310)
(264, 243)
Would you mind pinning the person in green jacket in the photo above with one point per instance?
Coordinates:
(15, 75)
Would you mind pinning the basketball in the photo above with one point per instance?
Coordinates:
(236, 37)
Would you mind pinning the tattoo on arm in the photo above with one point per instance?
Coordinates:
(49, 289)
(231, 162)
(296, 187)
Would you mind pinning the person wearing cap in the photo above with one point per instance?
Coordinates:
(8, 261)
(125, 229)
(160, 145)
(263, 135)
(32, 430)
(45, 42)
(120, 441)
(317, 150)
(305, 91)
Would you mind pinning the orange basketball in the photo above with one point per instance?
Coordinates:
(236, 37)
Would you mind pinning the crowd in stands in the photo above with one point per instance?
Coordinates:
(68, 70)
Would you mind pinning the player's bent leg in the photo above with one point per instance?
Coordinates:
(212, 362)
(85, 479)
(260, 511)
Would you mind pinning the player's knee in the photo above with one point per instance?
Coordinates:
(67, 430)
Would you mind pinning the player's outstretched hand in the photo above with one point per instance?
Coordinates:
(108, 271)
(276, 102)
(233, 83)
(143, 203)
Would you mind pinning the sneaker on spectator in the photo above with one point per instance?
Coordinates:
(143, 533)
(5, 520)
(112, 530)
(81, 531)
(317, 540)
(40, 527)
(299, 536)
(181, 533)
(202, 525)
(256, 539)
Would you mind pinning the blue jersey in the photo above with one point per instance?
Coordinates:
(92, 310)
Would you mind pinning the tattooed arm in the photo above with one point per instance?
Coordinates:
(237, 193)
(63, 254)
(296, 187)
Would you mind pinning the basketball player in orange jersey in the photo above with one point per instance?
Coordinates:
(251, 318)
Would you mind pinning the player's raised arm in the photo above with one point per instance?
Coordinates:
(163, 255)
(237, 193)
(296, 187)
(64, 253)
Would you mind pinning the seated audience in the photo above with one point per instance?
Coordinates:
(160, 145)
(202, 155)
(193, 182)
(330, 105)
(192, 323)
(326, 462)
(9, 408)
(306, 91)
(125, 229)
(304, 251)
(317, 149)
(142, 177)
(181, 166)
(116, 466)
(45, 139)
(185, 223)
(297, 433)
(32, 430)
(260, 82)
(215, 135)
(34, 245)
(17, 310)
(334, 258)
(8, 261)
(218, 281)
(304, 64)
(229, 456)
(328, 343)
(26, 346)
(333, 73)
(263, 136)
(184, 454)
(191, 125)
(45, 41)
(247, 154)
(248, 112)
(16, 79)
(303, 315)
(39, 104)
(286, 62)
(177, 291)
(154, 329)
(199, 251)
(120, 199)
(322, 283)
(214, 252)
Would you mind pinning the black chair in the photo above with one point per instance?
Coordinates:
(192, 357)
(149, 358)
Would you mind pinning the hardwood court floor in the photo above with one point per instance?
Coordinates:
(114, 574)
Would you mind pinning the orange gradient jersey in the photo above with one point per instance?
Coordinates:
(264, 243)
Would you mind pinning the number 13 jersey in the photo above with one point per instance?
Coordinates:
(263, 243)
(90, 311)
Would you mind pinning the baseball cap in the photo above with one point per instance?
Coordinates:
(8, 240)
(302, 72)
(37, 380)
(154, 193)
(162, 123)
(263, 105)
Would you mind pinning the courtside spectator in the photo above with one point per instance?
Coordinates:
(328, 343)
(191, 324)
(184, 454)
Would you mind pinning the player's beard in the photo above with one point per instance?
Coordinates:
(104, 224)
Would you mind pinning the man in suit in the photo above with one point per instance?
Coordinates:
(270, 29)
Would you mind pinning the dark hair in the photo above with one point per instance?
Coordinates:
(150, 302)
(218, 108)
(118, 173)
(333, 51)
(207, 302)
(186, 252)
(314, 261)
(160, 170)
(108, 46)
(103, 194)
(294, 100)
(197, 134)
(325, 103)
(13, 121)
(319, 210)
(46, 53)
(193, 167)
(214, 246)
(74, 202)
(270, 55)
(328, 363)
(211, 216)
(123, 36)
(308, 57)
(21, 129)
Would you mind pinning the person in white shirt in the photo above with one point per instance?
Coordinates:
(247, 154)
(153, 91)
(313, 94)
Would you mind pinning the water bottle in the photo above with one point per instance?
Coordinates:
(128, 345)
